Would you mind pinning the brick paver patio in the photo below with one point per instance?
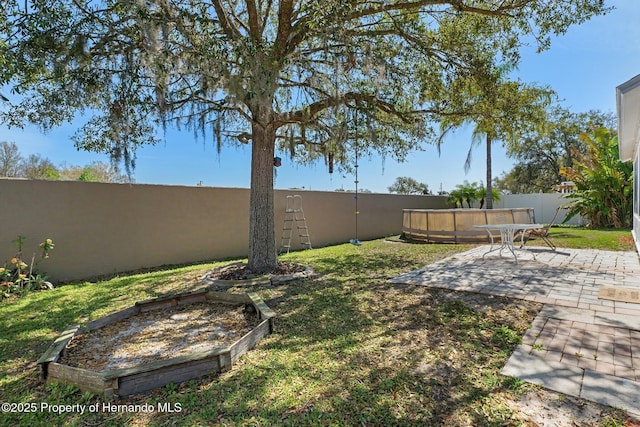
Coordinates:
(578, 344)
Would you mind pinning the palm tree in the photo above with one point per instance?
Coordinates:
(465, 192)
(501, 111)
(456, 198)
(481, 194)
(476, 139)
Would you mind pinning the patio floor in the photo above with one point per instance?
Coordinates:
(578, 344)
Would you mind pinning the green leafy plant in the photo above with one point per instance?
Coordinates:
(469, 193)
(604, 184)
(17, 275)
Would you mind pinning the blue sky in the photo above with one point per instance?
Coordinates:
(584, 67)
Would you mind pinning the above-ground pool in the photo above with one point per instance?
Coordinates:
(456, 225)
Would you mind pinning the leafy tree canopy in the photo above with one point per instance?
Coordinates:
(469, 192)
(407, 185)
(481, 195)
(94, 172)
(38, 167)
(291, 73)
(543, 151)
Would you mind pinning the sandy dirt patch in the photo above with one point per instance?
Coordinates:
(160, 334)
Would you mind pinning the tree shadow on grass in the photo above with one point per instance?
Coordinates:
(347, 349)
(353, 264)
(31, 323)
(369, 366)
(338, 357)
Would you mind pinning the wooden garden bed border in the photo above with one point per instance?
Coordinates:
(146, 377)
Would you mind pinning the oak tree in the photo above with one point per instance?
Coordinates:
(289, 73)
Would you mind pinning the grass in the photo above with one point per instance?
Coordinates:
(584, 238)
(348, 349)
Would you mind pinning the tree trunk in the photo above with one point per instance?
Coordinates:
(489, 196)
(263, 257)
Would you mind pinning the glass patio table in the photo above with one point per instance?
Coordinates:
(507, 237)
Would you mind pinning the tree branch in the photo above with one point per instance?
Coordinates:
(459, 5)
(266, 13)
(312, 110)
(230, 30)
(255, 31)
(285, 11)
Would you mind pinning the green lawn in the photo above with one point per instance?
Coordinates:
(348, 349)
(583, 238)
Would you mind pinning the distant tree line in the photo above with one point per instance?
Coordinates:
(14, 165)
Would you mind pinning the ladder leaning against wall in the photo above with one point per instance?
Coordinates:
(294, 219)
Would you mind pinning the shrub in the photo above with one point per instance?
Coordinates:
(17, 276)
(604, 184)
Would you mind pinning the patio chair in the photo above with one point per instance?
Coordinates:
(542, 233)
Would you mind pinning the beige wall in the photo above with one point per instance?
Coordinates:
(102, 229)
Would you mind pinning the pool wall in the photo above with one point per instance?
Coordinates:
(456, 225)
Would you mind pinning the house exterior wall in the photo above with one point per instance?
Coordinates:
(628, 106)
(636, 197)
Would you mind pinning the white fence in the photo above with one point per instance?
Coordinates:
(544, 205)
